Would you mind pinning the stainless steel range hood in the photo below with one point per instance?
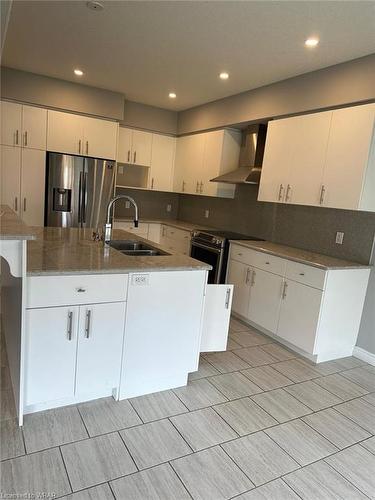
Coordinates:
(251, 157)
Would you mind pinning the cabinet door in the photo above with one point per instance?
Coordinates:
(34, 127)
(10, 171)
(162, 162)
(213, 148)
(32, 186)
(265, 298)
(11, 123)
(239, 276)
(189, 163)
(154, 232)
(50, 354)
(124, 150)
(216, 316)
(308, 158)
(141, 148)
(277, 159)
(99, 138)
(299, 315)
(101, 331)
(347, 155)
(64, 133)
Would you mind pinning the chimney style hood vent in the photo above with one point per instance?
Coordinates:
(251, 157)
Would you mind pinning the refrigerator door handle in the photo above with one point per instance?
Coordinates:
(84, 197)
(80, 189)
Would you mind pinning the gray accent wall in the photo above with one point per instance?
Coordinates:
(149, 118)
(60, 94)
(339, 85)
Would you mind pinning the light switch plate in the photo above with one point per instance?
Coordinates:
(207, 214)
(339, 237)
(140, 279)
(127, 204)
(121, 170)
(169, 207)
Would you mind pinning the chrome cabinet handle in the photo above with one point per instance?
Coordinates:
(201, 188)
(302, 274)
(183, 186)
(17, 137)
(87, 147)
(267, 263)
(70, 325)
(81, 290)
(197, 188)
(15, 204)
(322, 194)
(128, 155)
(253, 278)
(88, 323)
(24, 204)
(152, 183)
(281, 192)
(247, 276)
(79, 146)
(135, 157)
(227, 298)
(288, 190)
(285, 286)
(25, 138)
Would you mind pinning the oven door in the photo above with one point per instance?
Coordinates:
(209, 255)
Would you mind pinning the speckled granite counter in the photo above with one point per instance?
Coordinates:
(299, 255)
(59, 251)
(12, 227)
(179, 224)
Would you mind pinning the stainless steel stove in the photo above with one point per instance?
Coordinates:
(212, 247)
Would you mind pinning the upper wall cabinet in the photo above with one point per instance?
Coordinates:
(162, 163)
(23, 126)
(322, 159)
(201, 157)
(134, 147)
(81, 135)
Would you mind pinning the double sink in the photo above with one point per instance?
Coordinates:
(136, 248)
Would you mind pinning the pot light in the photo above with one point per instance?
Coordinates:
(172, 95)
(78, 72)
(94, 6)
(311, 42)
(224, 76)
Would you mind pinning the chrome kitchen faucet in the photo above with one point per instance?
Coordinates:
(108, 224)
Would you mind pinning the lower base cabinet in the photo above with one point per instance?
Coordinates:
(73, 352)
(239, 276)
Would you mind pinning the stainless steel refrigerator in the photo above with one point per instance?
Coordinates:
(78, 190)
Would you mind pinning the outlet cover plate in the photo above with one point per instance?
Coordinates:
(339, 238)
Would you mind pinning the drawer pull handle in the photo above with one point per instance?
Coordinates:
(267, 263)
(239, 254)
(247, 276)
(302, 274)
(81, 290)
(285, 286)
(88, 324)
(70, 325)
(227, 298)
(253, 278)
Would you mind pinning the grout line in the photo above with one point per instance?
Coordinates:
(127, 449)
(344, 477)
(66, 469)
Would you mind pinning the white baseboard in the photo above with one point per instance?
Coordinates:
(364, 355)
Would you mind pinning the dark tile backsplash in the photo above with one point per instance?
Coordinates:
(151, 204)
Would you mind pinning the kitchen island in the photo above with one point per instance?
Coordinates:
(100, 323)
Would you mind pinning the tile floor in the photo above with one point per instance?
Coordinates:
(255, 422)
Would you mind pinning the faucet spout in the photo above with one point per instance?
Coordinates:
(108, 224)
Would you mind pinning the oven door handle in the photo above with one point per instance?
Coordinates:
(211, 249)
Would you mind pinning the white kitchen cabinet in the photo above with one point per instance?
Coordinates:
(216, 317)
(309, 150)
(349, 174)
(33, 171)
(299, 315)
(50, 354)
(277, 160)
(154, 232)
(81, 135)
(11, 123)
(265, 299)
(162, 163)
(23, 126)
(100, 338)
(175, 239)
(10, 171)
(134, 147)
(239, 276)
(189, 164)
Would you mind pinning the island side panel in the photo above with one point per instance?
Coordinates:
(163, 330)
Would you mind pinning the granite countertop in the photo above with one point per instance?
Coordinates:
(179, 224)
(67, 251)
(12, 227)
(299, 255)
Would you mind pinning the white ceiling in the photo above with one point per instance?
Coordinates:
(145, 49)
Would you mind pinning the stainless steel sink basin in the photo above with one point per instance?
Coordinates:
(135, 248)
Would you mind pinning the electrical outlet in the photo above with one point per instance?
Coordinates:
(121, 170)
(207, 214)
(169, 207)
(339, 237)
(127, 204)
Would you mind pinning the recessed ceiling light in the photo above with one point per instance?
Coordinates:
(172, 95)
(224, 75)
(94, 6)
(78, 72)
(311, 42)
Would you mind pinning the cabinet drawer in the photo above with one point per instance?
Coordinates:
(308, 275)
(260, 260)
(177, 234)
(242, 254)
(176, 246)
(48, 291)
